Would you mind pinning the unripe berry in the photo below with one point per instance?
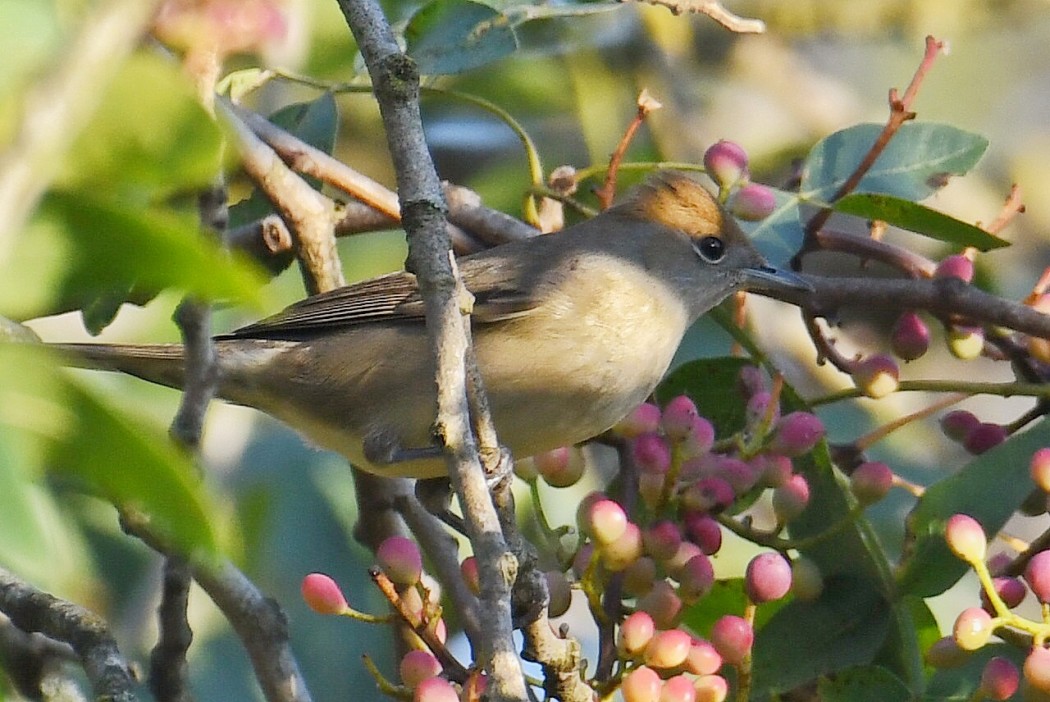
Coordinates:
(695, 578)
(790, 499)
(525, 468)
(635, 634)
(871, 481)
(662, 539)
(400, 559)
(702, 659)
(910, 337)
(739, 475)
(641, 685)
(678, 689)
(773, 469)
(604, 521)
(807, 582)
(435, 689)
(561, 467)
(945, 653)
(685, 552)
(704, 531)
(758, 408)
(667, 649)
(973, 628)
(958, 424)
(560, 592)
(1037, 669)
(469, 570)
(999, 679)
(768, 577)
(417, 666)
(651, 453)
(985, 436)
(955, 266)
(725, 162)
(699, 440)
(643, 419)
(624, 551)
(732, 637)
(796, 434)
(711, 688)
(1040, 469)
(752, 203)
(708, 495)
(876, 376)
(966, 538)
(678, 417)
(662, 604)
(1037, 575)
(966, 343)
(322, 594)
(638, 578)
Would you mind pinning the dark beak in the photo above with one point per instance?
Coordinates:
(766, 279)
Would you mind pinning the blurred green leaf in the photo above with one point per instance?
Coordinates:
(149, 138)
(453, 36)
(919, 219)
(866, 683)
(916, 163)
(989, 488)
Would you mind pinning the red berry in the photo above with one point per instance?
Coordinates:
(871, 481)
(753, 202)
(704, 531)
(999, 679)
(966, 538)
(984, 437)
(955, 266)
(725, 162)
(417, 666)
(876, 376)
(678, 417)
(1037, 575)
(662, 539)
(400, 559)
(1040, 469)
(635, 634)
(641, 685)
(667, 649)
(644, 419)
(732, 637)
(768, 577)
(651, 453)
(796, 434)
(322, 594)
(910, 337)
(958, 424)
(973, 628)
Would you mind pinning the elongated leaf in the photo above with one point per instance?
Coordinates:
(917, 162)
(929, 568)
(452, 36)
(919, 219)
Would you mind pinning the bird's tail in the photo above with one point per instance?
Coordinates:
(157, 363)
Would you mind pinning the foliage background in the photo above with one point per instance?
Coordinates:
(288, 509)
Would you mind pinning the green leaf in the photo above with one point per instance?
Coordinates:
(712, 385)
(917, 162)
(919, 219)
(452, 36)
(929, 567)
(806, 640)
(867, 683)
(170, 145)
(780, 235)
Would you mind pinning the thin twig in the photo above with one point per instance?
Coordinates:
(607, 192)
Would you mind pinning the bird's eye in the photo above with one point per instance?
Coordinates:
(711, 249)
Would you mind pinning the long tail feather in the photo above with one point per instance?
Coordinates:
(157, 363)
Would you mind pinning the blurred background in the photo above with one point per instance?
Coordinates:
(822, 65)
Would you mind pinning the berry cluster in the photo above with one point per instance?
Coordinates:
(726, 164)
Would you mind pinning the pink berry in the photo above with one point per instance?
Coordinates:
(958, 424)
(955, 266)
(1040, 469)
(768, 577)
(678, 417)
(702, 658)
(753, 202)
(871, 481)
(638, 578)
(643, 419)
(400, 559)
(1010, 590)
(417, 666)
(725, 162)
(635, 634)
(662, 539)
(641, 685)
(807, 582)
(678, 689)
(561, 467)
(759, 410)
(704, 531)
(738, 474)
(945, 653)
(999, 679)
(605, 521)
(708, 495)
(667, 649)
(651, 453)
(732, 637)
(985, 436)
(525, 468)
(876, 376)
(910, 337)
(1037, 575)
(624, 551)
(1037, 669)
(966, 538)
(790, 499)
(699, 440)
(711, 688)
(560, 592)
(695, 578)
(966, 343)
(685, 552)
(973, 628)
(322, 594)
(772, 469)
(662, 604)
(435, 689)
(796, 434)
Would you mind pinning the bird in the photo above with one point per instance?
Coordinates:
(572, 330)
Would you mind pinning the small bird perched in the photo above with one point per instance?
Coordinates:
(571, 330)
